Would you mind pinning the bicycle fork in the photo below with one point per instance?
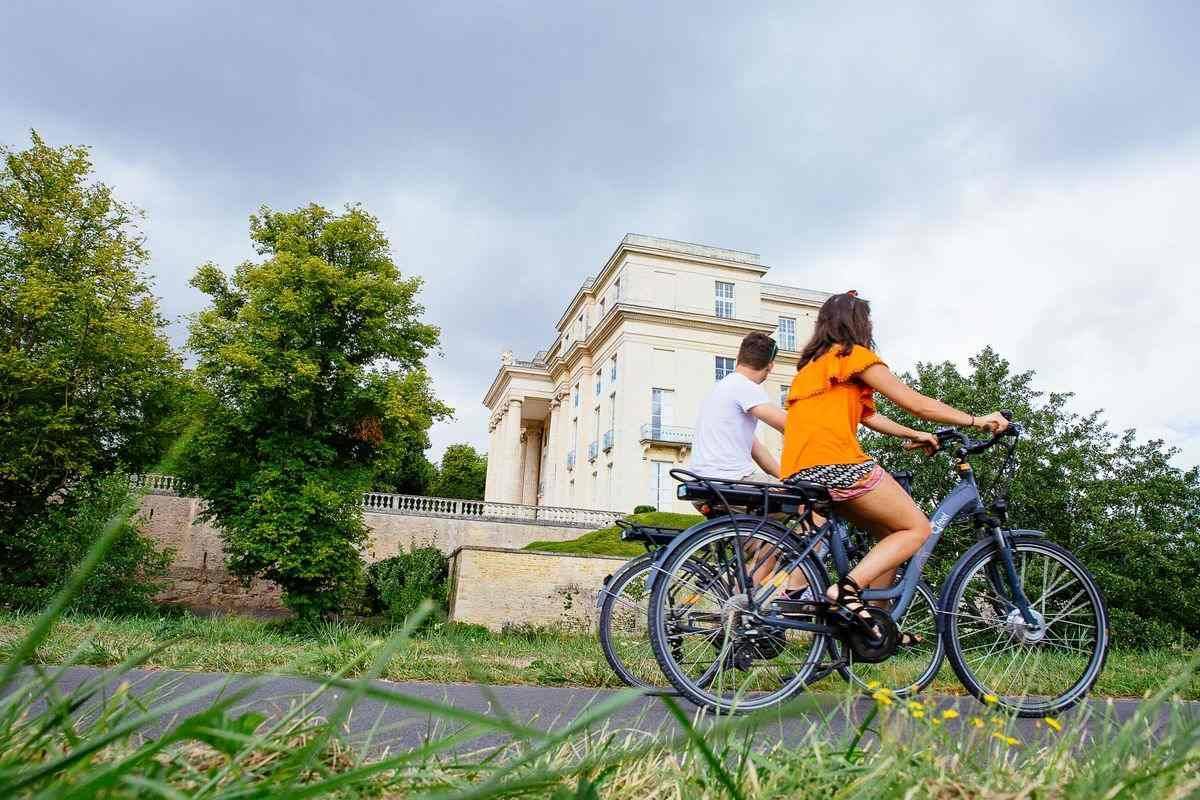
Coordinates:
(1014, 580)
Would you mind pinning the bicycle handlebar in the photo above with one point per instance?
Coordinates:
(948, 436)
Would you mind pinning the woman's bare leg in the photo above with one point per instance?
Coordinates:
(890, 514)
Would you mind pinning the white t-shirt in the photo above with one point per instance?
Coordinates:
(725, 430)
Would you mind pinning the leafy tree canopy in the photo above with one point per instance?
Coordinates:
(312, 361)
(86, 374)
(1120, 504)
(462, 473)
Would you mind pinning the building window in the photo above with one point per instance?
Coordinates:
(783, 393)
(602, 304)
(612, 370)
(787, 333)
(599, 381)
(724, 299)
(662, 410)
(724, 366)
(575, 396)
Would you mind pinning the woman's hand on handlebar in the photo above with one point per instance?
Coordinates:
(922, 440)
(993, 423)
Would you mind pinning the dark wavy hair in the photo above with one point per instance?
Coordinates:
(844, 320)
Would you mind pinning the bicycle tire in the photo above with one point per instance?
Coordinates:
(613, 591)
(970, 564)
(697, 691)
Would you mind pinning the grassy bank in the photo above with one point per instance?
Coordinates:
(897, 750)
(455, 653)
(607, 541)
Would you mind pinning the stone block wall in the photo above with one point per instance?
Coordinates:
(199, 578)
(495, 587)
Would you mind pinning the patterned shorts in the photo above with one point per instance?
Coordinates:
(844, 481)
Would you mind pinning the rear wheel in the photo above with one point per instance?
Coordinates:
(707, 646)
(624, 636)
(1032, 671)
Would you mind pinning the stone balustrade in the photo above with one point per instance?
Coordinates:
(416, 505)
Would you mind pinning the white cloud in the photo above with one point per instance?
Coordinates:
(1088, 277)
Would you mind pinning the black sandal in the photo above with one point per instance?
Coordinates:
(850, 607)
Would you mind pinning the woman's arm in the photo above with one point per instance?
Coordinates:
(886, 425)
(881, 379)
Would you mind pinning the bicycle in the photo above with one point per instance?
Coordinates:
(623, 604)
(1030, 601)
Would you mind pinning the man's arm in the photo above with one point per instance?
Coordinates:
(762, 456)
(771, 414)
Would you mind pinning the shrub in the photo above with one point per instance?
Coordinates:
(398, 585)
(124, 582)
(644, 509)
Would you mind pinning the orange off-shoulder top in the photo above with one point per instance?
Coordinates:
(825, 404)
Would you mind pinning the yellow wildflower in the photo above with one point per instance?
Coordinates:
(977, 722)
(935, 721)
(1054, 724)
(991, 699)
(883, 697)
(915, 705)
(998, 722)
(873, 685)
(949, 713)
(1008, 740)
(917, 713)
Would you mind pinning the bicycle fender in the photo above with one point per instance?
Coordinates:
(972, 551)
(745, 522)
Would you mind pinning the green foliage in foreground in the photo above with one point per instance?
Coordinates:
(888, 750)
(312, 364)
(607, 541)
(1119, 504)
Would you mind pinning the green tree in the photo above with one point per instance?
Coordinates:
(1120, 504)
(462, 473)
(312, 366)
(86, 373)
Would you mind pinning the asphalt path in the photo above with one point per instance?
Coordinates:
(413, 713)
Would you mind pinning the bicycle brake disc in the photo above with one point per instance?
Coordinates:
(866, 648)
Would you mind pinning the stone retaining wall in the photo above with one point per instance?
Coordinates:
(495, 587)
(199, 579)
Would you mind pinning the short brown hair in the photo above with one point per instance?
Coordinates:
(757, 351)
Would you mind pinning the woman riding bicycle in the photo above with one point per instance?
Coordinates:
(830, 396)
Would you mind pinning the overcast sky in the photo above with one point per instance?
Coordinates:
(1020, 174)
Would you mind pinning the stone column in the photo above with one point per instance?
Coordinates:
(491, 486)
(510, 447)
(532, 461)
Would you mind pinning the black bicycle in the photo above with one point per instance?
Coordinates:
(1022, 621)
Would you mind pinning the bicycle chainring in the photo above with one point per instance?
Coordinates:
(864, 647)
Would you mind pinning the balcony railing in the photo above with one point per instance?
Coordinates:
(413, 505)
(607, 441)
(593, 451)
(666, 434)
(571, 460)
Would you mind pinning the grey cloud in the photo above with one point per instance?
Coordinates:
(507, 147)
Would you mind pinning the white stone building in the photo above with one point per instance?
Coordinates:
(599, 418)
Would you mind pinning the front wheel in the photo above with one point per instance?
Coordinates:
(1032, 671)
